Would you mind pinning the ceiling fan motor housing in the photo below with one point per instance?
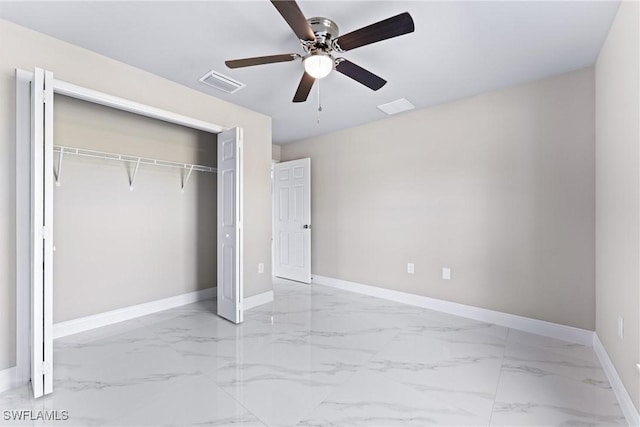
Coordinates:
(325, 30)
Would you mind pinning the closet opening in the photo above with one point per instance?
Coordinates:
(134, 222)
(122, 209)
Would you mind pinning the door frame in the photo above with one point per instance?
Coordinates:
(273, 216)
(24, 80)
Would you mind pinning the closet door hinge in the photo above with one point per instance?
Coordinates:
(47, 94)
(46, 368)
(45, 231)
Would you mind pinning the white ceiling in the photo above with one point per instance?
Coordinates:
(459, 49)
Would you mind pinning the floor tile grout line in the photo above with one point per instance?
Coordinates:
(360, 368)
(495, 394)
(210, 377)
(238, 402)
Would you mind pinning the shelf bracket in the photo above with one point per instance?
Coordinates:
(133, 177)
(57, 175)
(184, 183)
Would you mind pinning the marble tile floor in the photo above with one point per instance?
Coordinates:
(319, 356)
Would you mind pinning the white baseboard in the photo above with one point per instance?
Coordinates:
(626, 404)
(8, 379)
(535, 326)
(70, 327)
(256, 300)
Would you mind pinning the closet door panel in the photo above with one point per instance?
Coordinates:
(230, 225)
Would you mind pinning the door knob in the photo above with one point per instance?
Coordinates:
(306, 226)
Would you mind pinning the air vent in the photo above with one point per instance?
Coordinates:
(221, 82)
(397, 106)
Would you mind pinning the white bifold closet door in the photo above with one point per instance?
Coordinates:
(41, 339)
(230, 225)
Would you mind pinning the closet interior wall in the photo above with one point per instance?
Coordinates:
(116, 247)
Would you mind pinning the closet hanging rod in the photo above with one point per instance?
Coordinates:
(131, 159)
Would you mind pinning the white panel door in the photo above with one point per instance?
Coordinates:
(41, 341)
(292, 191)
(230, 225)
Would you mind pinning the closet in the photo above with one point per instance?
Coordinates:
(118, 204)
(128, 231)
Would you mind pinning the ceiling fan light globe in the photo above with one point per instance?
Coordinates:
(318, 66)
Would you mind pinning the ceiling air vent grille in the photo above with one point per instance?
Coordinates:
(221, 82)
(397, 106)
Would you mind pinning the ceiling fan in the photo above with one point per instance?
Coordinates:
(320, 38)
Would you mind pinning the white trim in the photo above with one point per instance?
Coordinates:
(624, 400)
(47, 288)
(79, 92)
(9, 379)
(70, 327)
(535, 326)
(256, 300)
(38, 233)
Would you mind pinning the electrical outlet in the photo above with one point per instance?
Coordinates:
(411, 268)
(446, 273)
(620, 326)
(261, 268)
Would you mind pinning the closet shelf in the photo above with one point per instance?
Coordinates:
(130, 159)
(63, 150)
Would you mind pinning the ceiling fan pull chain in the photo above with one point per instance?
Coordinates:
(319, 103)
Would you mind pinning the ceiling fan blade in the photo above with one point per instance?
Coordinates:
(306, 83)
(360, 75)
(386, 29)
(259, 60)
(291, 13)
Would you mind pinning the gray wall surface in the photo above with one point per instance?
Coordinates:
(499, 187)
(618, 195)
(115, 247)
(275, 152)
(26, 49)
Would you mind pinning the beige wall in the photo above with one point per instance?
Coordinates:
(26, 49)
(276, 152)
(617, 195)
(116, 247)
(499, 187)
